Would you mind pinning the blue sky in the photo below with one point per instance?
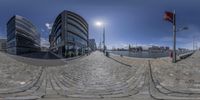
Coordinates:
(127, 21)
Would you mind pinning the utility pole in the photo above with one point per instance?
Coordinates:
(104, 46)
(193, 43)
(174, 37)
(100, 44)
(171, 17)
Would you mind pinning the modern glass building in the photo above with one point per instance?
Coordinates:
(22, 36)
(92, 44)
(69, 35)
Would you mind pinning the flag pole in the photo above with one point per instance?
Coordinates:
(174, 37)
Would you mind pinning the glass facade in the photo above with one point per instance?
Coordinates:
(22, 36)
(92, 44)
(69, 35)
(3, 45)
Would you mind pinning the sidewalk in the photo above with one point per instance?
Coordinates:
(179, 79)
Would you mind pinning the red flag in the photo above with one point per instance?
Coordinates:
(169, 16)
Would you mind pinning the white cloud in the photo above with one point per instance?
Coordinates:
(44, 42)
(120, 45)
(170, 39)
(186, 45)
(186, 42)
(49, 26)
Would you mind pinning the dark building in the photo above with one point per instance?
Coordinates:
(22, 36)
(135, 49)
(3, 45)
(45, 49)
(92, 44)
(69, 35)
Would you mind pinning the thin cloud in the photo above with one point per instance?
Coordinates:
(170, 39)
(120, 45)
(2, 36)
(186, 45)
(42, 30)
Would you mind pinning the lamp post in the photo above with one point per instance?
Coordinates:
(101, 24)
(182, 29)
(174, 37)
(171, 17)
(175, 31)
(104, 44)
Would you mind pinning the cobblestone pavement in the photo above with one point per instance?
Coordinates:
(178, 79)
(98, 77)
(93, 76)
(15, 74)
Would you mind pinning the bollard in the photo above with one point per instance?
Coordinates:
(107, 54)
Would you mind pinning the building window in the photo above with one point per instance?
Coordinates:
(76, 31)
(58, 40)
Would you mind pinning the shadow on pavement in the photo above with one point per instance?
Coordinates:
(40, 55)
(120, 62)
(39, 59)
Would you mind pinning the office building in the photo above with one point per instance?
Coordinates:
(69, 35)
(22, 36)
(3, 45)
(92, 44)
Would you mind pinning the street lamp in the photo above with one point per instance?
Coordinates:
(101, 24)
(181, 29)
(171, 17)
(175, 31)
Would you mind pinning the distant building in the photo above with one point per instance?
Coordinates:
(167, 48)
(100, 46)
(92, 44)
(44, 49)
(135, 49)
(3, 45)
(182, 50)
(158, 49)
(69, 35)
(22, 36)
(155, 49)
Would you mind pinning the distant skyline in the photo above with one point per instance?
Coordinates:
(127, 21)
